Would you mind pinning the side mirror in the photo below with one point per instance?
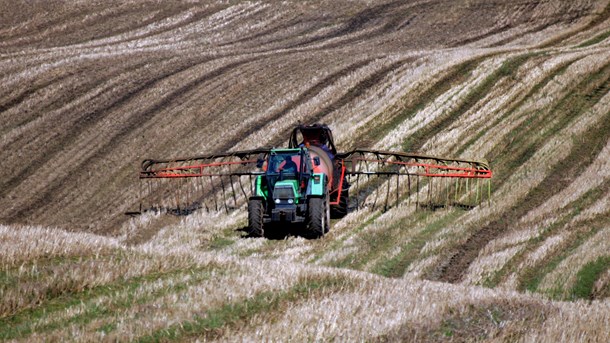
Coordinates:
(316, 161)
(260, 161)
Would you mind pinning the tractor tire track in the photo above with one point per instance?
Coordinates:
(199, 16)
(28, 92)
(358, 23)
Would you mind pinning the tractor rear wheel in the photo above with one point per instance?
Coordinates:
(256, 211)
(318, 217)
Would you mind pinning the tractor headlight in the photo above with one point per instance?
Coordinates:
(284, 194)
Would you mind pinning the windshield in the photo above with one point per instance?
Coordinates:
(285, 162)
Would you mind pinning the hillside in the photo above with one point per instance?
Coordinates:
(89, 89)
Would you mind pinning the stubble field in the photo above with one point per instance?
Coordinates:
(89, 89)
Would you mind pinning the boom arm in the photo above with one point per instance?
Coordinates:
(363, 161)
(200, 166)
(222, 175)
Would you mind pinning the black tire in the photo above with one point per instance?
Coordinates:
(256, 211)
(327, 213)
(318, 217)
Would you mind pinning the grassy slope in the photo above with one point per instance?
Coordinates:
(90, 90)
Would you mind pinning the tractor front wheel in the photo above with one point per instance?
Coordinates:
(319, 214)
(256, 211)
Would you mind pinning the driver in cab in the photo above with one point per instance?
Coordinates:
(289, 165)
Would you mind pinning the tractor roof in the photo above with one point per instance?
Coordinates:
(284, 150)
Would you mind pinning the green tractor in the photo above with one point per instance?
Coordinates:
(290, 192)
(307, 182)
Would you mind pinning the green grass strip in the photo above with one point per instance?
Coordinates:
(373, 244)
(456, 75)
(571, 211)
(220, 242)
(398, 264)
(211, 325)
(531, 277)
(8, 280)
(23, 323)
(582, 155)
(597, 39)
(339, 242)
(509, 112)
(530, 136)
(507, 69)
(586, 277)
(123, 302)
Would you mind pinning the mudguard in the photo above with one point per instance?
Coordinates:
(260, 189)
(317, 185)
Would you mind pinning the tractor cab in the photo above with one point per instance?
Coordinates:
(287, 174)
(287, 163)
